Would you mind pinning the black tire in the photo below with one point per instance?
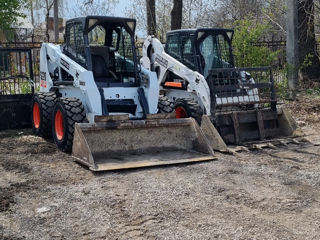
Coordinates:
(72, 111)
(190, 107)
(45, 102)
(165, 105)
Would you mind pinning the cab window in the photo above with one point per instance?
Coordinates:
(97, 36)
(172, 46)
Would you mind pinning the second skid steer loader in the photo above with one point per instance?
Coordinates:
(96, 101)
(198, 79)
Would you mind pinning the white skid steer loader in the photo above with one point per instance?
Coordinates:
(198, 79)
(98, 102)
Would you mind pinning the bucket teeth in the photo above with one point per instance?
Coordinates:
(270, 145)
(273, 144)
(243, 148)
(295, 141)
(283, 142)
(258, 146)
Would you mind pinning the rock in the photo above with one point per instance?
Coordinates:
(301, 123)
(43, 209)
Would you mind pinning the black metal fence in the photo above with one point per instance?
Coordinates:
(34, 47)
(20, 63)
(279, 70)
(279, 65)
(16, 86)
(275, 43)
(16, 71)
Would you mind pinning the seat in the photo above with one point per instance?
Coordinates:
(99, 68)
(102, 65)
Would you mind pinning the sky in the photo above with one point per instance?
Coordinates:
(120, 8)
(119, 12)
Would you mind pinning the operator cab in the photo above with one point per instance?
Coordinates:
(201, 49)
(105, 46)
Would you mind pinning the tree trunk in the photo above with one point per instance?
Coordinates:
(32, 19)
(56, 20)
(292, 47)
(308, 56)
(31, 13)
(151, 17)
(176, 15)
(47, 27)
(47, 21)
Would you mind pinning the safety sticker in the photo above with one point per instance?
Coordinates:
(163, 62)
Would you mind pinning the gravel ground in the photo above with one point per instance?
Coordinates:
(269, 194)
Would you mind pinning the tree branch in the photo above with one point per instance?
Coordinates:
(281, 28)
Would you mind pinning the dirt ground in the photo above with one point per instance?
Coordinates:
(269, 194)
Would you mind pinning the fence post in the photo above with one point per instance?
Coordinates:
(31, 70)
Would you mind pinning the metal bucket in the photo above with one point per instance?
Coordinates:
(122, 144)
(250, 128)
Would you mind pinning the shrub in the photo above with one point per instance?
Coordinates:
(248, 32)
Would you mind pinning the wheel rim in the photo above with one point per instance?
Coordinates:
(58, 124)
(181, 112)
(36, 115)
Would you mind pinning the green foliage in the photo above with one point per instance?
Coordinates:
(313, 92)
(9, 11)
(291, 69)
(248, 32)
(307, 62)
(282, 84)
(25, 87)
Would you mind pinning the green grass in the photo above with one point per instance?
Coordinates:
(313, 92)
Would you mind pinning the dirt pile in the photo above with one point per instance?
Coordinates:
(306, 108)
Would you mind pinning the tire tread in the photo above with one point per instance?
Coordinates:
(193, 108)
(75, 114)
(165, 105)
(47, 101)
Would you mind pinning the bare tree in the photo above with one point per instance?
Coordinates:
(151, 17)
(176, 15)
(199, 13)
(40, 9)
(138, 11)
(56, 19)
(163, 17)
(239, 9)
(31, 12)
(275, 11)
(308, 55)
(195, 13)
(48, 7)
(91, 7)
